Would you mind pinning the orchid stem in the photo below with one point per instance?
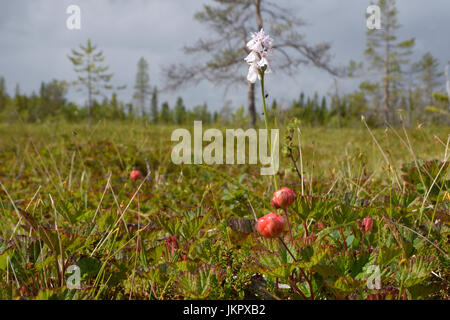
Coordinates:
(267, 125)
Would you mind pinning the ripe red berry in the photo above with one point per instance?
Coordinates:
(274, 205)
(271, 225)
(135, 175)
(367, 224)
(282, 198)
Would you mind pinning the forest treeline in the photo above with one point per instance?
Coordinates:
(393, 87)
(51, 103)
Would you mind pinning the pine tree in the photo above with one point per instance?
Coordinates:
(116, 111)
(33, 108)
(92, 75)
(154, 106)
(3, 94)
(429, 75)
(130, 108)
(387, 54)
(142, 87)
(180, 112)
(52, 98)
(19, 100)
(302, 100)
(166, 116)
(323, 111)
(201, 113)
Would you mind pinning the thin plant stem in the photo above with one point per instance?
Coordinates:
(311, 290)
(362, 241)
(343, 239)
(306, 228)
(289, 224)
(267, 124)
(303, 272)
(296, 289)
(289, 251)
(138, 239)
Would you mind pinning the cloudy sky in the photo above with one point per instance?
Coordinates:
(34, 41)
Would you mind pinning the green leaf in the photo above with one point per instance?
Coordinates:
(347, 284)
(190, 229)
(187, 266)
(49, 237)
(349, 240)
(387, 255)
(172, 226)
(89, 267)
(197, 285)
(326, 271)
(4, 258)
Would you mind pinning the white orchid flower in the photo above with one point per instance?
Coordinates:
(263, 63)
(253, 73)
(252, 58)
(260, 47)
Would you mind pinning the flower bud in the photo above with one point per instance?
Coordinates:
(271, 225)
(282, 198)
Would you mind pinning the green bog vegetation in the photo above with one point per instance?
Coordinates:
(68, 208)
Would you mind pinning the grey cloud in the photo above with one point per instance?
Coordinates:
(34, 41)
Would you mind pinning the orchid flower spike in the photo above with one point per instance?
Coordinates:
(260, 47)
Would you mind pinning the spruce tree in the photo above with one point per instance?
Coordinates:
(180, 111)
(154, 106)
(142, 86)
(3, 94)
(429, 75)
(387, 55)
(165, 113)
